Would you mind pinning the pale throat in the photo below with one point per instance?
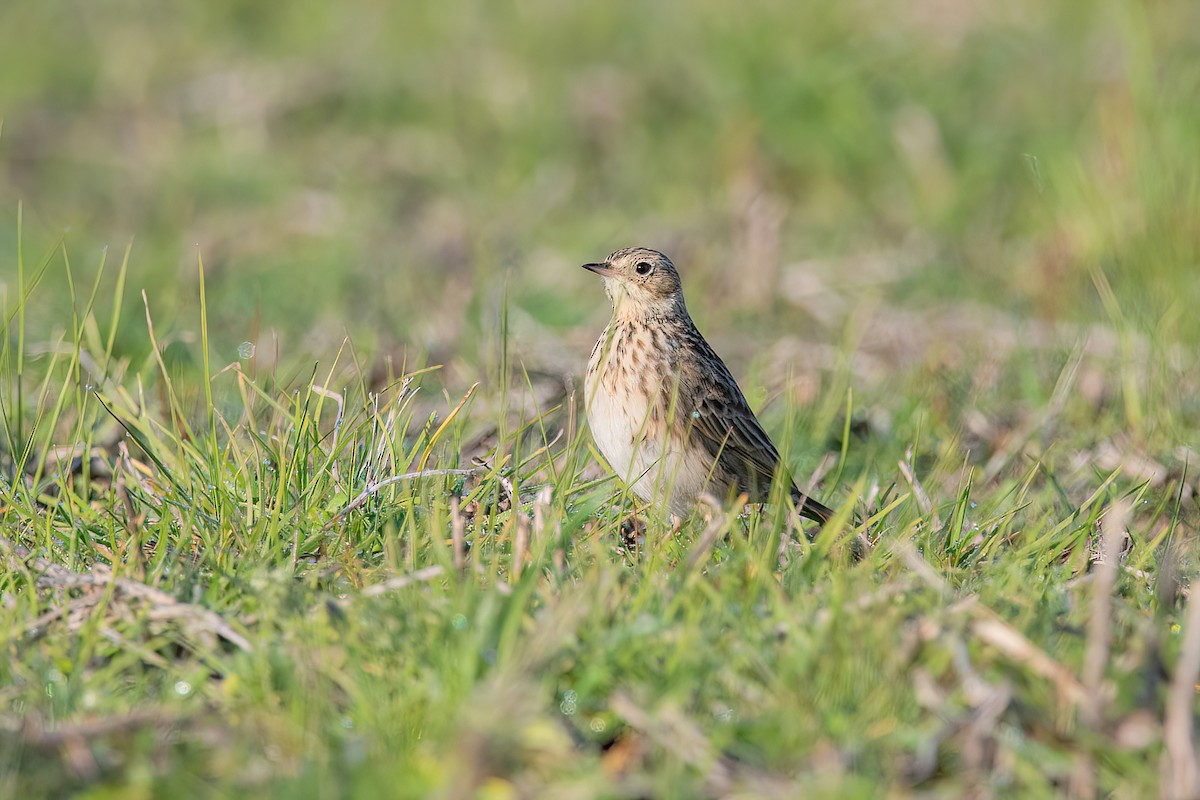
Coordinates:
(630, 306)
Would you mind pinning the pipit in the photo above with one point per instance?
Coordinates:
(664, 409)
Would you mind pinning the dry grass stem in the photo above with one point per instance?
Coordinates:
(163, 605)
(990, 628)
(1099, 628)
(1008, 640)
(402, 581)
(1180, 772)
(383, 484)
(520, 545)
(458, 527)
(717, 525)
(919, 493)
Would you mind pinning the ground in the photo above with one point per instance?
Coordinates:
(297, 499)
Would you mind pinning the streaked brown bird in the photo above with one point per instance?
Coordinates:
(664, 409)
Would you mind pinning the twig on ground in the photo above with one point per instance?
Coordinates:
(386, 482)
(54, 576)
(992, 629)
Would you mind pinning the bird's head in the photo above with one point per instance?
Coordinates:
(641, 283)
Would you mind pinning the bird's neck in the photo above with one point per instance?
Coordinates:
(651, 311)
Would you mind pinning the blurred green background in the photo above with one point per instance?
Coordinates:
(945, 244)
(394, 170)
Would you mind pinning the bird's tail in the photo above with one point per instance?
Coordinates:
(808, 507)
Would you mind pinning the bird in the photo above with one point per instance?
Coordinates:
(664, 410)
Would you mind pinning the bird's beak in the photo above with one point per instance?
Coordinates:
(603, 270)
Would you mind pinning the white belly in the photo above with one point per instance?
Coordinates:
(632, 436)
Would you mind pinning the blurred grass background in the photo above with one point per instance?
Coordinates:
(380, 168)
(975, 225)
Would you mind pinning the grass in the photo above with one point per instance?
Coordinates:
(297, 499)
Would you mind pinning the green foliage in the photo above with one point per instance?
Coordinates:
(264, 534)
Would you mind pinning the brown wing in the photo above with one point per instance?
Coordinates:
(728, 430)
(724, 425)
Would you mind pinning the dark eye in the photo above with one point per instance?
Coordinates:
(644, 268)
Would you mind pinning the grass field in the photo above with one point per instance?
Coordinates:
(296, 497)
